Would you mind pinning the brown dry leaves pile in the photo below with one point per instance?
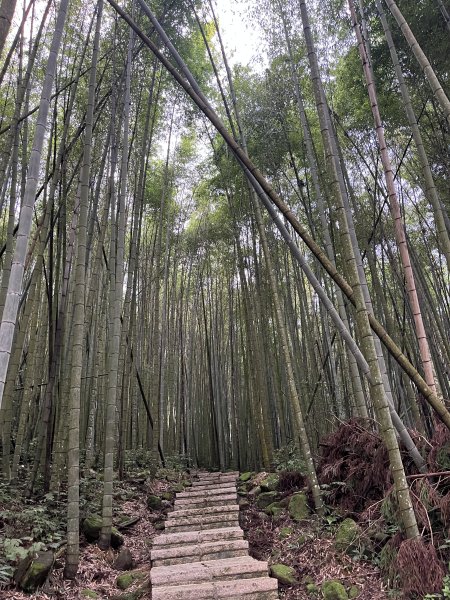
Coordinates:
(309, 550)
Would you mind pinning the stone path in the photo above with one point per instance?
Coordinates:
(202, 554)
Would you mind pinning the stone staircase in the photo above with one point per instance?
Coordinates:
(202, 554)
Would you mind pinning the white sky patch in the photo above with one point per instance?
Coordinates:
(242, 39)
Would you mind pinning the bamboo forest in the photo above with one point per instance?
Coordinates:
(225, 299)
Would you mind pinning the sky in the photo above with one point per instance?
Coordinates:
(240, 39)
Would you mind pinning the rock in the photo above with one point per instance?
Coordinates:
(125, 580)
(166, 504)
(243, 503)
(91, 527)
(154, 502)
(274, 509)
(298, 507)
(124, 562)
(89, 594)
(33, 570)
(245, 476)
(159, 525)
(265, 499)
(284, 574)
(312, 589)
(116, 538)
(270, 483)
(347, 534)
(333, 590)
(285, 532)
(353, 592)
(167, 496)
(255, 491)
(178, 487)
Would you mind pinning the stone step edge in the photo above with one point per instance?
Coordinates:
(197, 537)
(241, 588)
(198, 549)
(211, 570)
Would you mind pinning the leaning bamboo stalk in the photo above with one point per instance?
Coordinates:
(320, 255)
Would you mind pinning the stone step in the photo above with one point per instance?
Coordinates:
(213, 480)
(198, 537)
(209, 570)
(259, 588)
(199, 501)
(207, 487)
(204, 522)
(209, 475)
(198, 512)
(199, 493)
(175, 555)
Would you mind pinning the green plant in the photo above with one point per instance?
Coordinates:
(288, 458)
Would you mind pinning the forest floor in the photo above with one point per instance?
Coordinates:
(308, 547)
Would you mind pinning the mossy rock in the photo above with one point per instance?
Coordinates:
(159, 525)
(89, 594)
(130, 595)
(126, 580)
(154, 502)
(178, 487)
(285, 532)
(347, 535)
(274, 509)
(284, 574)
(270, 483)
(91, 527)
(312, 589)
(266, 498)
(353, 592)
(298, 507)
(334, 590)
(255, 491)
(245, 476)
(167, 496)
(33, 571)
(243, 503)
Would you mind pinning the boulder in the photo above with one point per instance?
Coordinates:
(255, 491)
(245, 476)
(274, 509)
(270, 483)
(266, 498)
(33, 570)
(124, 562)
(312, 589)
(334, 590)
(347, 535)
(116, 538)
(284, 574)
(89, 594)
(298, 507)
(91, 527)
(353, 592)
(167, 496)
(154, 502)
(126, 580)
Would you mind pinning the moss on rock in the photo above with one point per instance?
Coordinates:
(284, 574)
(347, 535)
(89, 594)
(265, 499)
(312, 589)
(270, 483)
(154, 502)
(334, 590)
(274, 509)
(245, 476)
(298, 507)
(125, 580)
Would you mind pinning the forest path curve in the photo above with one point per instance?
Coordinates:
(202, 554)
